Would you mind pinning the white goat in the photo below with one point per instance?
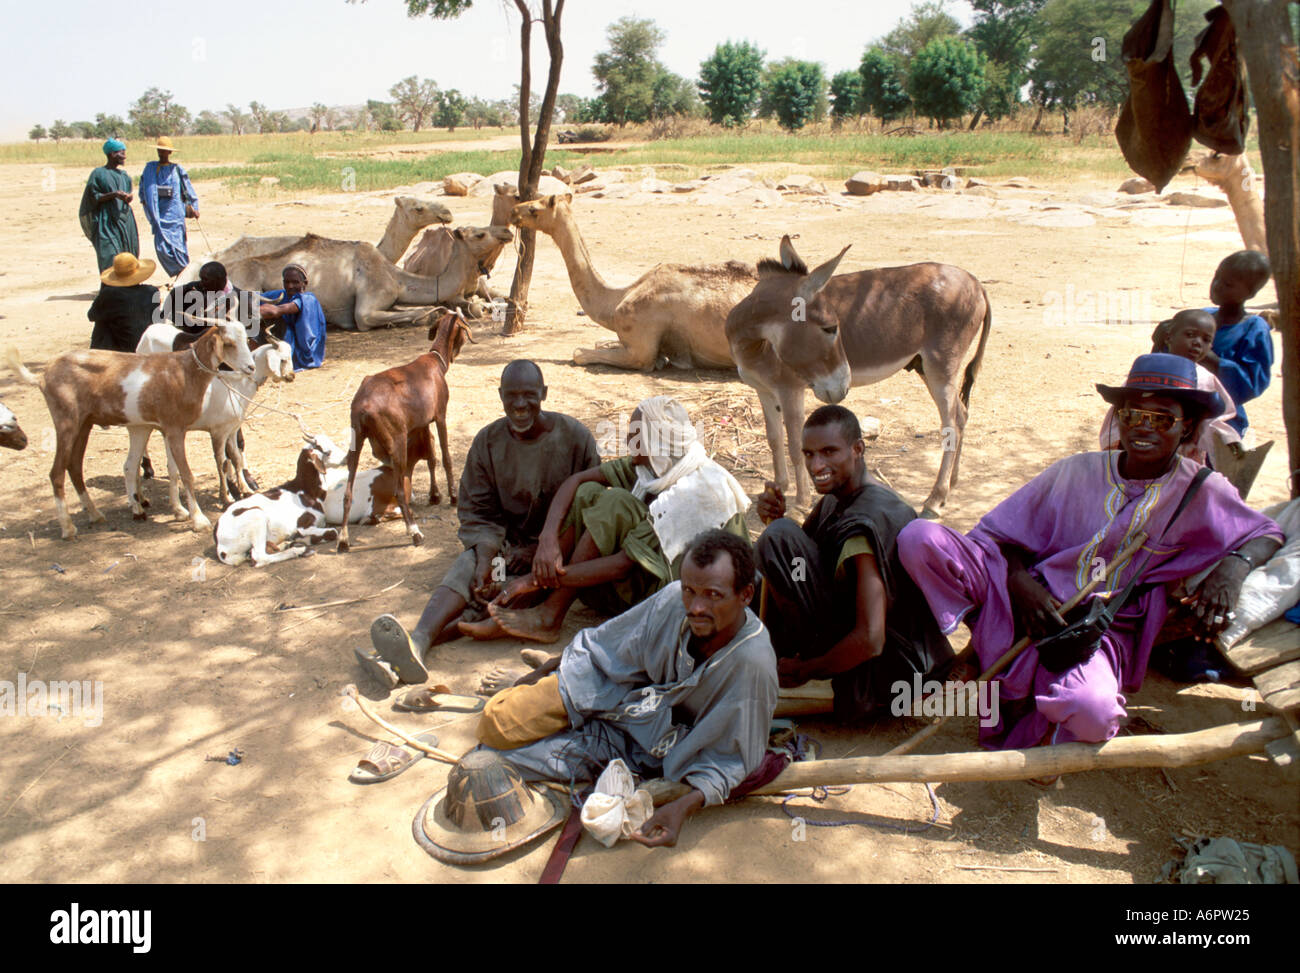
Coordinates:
(13, 437)
(224, 405)
(263, 527)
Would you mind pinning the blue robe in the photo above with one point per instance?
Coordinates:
(1245, 351)
(305, 330)
(164, 193)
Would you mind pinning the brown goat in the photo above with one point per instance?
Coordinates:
(90, 388)
(393, 410)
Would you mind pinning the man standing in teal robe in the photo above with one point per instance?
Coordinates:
(105, 213)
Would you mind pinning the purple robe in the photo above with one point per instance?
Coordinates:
(1073, 519)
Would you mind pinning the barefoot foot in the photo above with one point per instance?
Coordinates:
(535, 657)
(498, 679)
(526, 623)
(488, 628)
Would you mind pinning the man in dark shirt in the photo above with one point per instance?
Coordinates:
(125, 305)
(513, 469)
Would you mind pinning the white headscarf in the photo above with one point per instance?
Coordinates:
(692, 492)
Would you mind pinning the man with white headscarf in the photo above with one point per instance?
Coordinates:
(615, 534)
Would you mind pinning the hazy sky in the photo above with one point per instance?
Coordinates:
(72, 58)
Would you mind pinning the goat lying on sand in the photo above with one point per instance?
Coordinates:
(396, 406)
(88, 388)
(263, 528)
(11, 434)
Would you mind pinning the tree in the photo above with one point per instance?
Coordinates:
(534, 104)
(109, 126)
(883, 92)
(414, 100)
(846, 95)
(451, 109)
(731, 82)
(792, 92)
(207, 124)
(926, 22)
(261, 116)
(946, 79)
(673, 95)
(568, 108)
(238, 120)
(1002, 33)
(155, 113)
(533, 152)
(319, 116)
(382, 116)
(627, 72)
(84, 130)
(60, 130)
(37, 133)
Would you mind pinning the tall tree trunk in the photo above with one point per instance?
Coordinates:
(533, 155)
(1038, 119)
(1269, 47)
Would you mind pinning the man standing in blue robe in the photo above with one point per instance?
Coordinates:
(168, 197)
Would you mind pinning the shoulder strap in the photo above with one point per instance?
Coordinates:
(1193, 488)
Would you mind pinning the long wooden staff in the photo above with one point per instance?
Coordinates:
(1010, 655)
(351, 692)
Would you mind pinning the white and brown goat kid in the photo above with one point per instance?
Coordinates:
(89, 387)
(224, 405)
(282, 522)
(11, 434)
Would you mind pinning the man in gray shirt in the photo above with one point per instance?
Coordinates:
(513, 469)
(681, 686)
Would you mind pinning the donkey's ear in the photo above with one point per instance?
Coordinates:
(812, 285)
(789, 259)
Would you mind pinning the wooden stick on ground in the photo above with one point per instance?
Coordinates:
(1172, 750)
(1122, 558)
(443, 755)
(336, 604)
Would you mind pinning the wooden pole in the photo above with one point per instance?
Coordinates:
(1268, 46)
(1173, 750)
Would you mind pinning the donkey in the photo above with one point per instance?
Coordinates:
(800, 330)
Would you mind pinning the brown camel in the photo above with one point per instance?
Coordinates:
(410, 215)
(813, 330)
(1234, 176)
(473, 249)
(356, 286)
(673, 311)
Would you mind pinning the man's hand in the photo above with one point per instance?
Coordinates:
(791, 672)
(482, 586)
(191, 212)
(1212, 602)
(548, 562)
(123, 196)
(665, 825)
(1039, 613)
(520, 586)
(771, 503)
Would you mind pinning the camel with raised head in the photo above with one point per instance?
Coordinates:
(411, 214)
(1233, 175)
(473, 249)
(801, 329)
(357, 287)
(673, 311)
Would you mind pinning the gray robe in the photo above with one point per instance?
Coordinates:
(632, 690)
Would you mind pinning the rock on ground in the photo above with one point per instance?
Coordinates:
(865, 183)
(1136, 185)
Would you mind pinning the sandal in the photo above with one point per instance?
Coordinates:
(395, 647)
(427, 699)
(386, 760)
(376, 668)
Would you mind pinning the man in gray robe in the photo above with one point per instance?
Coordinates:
(513, 469)
(682, 686)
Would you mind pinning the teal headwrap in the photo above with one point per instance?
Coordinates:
(114, 145)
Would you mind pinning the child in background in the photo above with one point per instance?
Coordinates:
(1189, 334)
(1242, 355)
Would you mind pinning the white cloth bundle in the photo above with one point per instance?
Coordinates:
(1272, 588)
(617, 807)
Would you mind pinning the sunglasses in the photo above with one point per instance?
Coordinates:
(1159, 421)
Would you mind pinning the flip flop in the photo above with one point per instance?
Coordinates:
(395, 647)
(427, 699)
(376, 668)
(386, 760)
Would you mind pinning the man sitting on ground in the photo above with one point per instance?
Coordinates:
(211, 296)
(125, 305)
(616, 533)
(513, 471)
(840, 605)
(300, 318)
(683, 686)
(1011, 574)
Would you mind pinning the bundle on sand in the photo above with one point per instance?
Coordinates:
(1173, 750)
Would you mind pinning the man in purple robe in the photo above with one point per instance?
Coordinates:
(1010, 575)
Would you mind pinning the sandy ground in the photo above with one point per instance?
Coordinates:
(195, 659)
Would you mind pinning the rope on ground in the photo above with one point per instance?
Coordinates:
(821, 794)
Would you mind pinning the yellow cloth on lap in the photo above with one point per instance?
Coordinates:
(523, 714)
